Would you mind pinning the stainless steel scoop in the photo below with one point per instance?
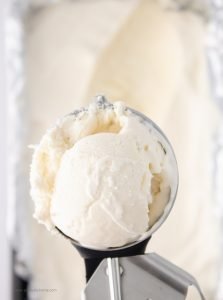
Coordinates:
(126, 272)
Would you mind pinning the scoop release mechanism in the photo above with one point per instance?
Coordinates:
(141, 277)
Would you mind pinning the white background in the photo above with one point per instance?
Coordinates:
(5, 255)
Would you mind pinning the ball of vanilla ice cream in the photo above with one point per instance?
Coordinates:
(101, 176)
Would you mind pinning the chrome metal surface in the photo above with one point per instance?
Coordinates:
(145, 277)
(114, 278)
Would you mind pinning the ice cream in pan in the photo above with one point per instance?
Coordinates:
(105, 176)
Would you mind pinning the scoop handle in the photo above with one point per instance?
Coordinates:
(93, 258)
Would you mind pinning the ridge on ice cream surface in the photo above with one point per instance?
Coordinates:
(101, 176)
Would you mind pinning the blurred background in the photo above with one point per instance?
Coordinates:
(161, 57)
(5, 252)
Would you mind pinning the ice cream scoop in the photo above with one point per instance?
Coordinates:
(117, 161)
(105, 177)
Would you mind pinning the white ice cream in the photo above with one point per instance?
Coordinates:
(101, 176)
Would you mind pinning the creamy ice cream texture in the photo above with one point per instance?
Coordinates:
(101, 176)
